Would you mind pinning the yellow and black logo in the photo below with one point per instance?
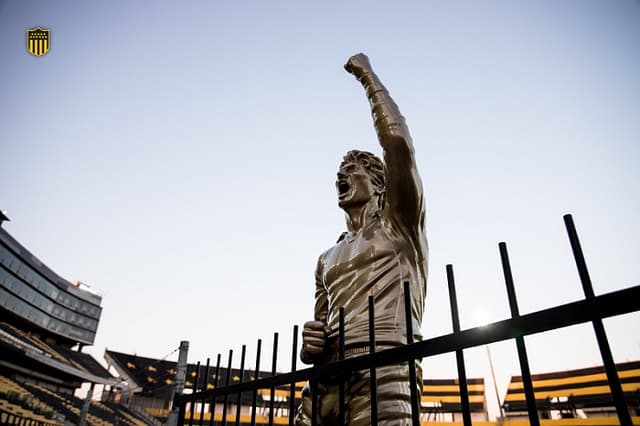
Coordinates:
(38, 41)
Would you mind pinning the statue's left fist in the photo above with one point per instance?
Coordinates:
(358, 65)
(314, 341)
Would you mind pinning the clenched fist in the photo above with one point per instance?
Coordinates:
(314, 341)
(358, 65)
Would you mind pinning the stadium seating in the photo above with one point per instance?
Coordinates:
(441, 399)
(17, 403)
(37, 405)
(580, 393)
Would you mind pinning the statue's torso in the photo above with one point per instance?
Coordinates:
(374, 261)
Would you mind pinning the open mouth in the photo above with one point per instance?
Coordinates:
(343, 188)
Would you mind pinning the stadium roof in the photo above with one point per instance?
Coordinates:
(56, 359)
(150, 375)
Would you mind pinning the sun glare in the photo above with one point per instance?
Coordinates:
(481, 317)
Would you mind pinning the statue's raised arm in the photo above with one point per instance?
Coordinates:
(404, 194)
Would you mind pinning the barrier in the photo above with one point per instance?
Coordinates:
(590, 309)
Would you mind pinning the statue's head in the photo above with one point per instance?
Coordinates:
(360, 179)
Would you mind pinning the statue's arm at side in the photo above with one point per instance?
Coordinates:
(314, 333)
(404, 193)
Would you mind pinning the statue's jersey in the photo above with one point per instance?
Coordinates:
(373, 261)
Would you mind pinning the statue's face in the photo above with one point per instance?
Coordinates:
(354, 185)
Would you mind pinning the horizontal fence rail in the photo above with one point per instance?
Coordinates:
(594, 308)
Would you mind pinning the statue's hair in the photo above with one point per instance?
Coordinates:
(373, 165)
(369, 161)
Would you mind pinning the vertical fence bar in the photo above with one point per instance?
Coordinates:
(194, 389)
(522, 350)
(413, 379)
(215, 386)
(239, 398)
(226, 396)
(272, 389)
(182, 409)
(313, 388)
(372, 371)
(292, 391)
(254, 400)
(598, 327)
(204, 388)
(341, 395)
(462, 372)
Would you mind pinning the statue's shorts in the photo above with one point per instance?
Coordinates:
(393, 394)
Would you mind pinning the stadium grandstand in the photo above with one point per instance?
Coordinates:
(45, 321)
(576, 394)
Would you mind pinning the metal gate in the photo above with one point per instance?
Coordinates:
(590, 309)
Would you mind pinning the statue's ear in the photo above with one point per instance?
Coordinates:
(380, 190)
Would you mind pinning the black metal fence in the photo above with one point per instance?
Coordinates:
(590, 309)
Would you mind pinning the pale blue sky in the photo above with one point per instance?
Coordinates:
(180, 159)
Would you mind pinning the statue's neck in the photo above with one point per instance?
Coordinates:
(358, 217)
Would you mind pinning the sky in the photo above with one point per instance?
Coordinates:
(181, 159)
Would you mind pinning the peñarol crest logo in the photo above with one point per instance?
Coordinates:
(38, 41)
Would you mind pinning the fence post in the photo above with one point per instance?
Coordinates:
(313, 385)
(372, 371)
(413, 379)
(254, 400)
(601, 336)
(212, 407)
(226, 396)
(204, 388)
(462, 373)
(182, 409)
(85, 406)
(194, 389)
(181, 373)
(522, 350)
(292, 391)
(341, 390)
(272, 389)
(239, 399)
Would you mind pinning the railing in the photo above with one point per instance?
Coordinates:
(8, 417)
(590, 309)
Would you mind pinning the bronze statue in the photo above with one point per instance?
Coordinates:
(384, 246)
